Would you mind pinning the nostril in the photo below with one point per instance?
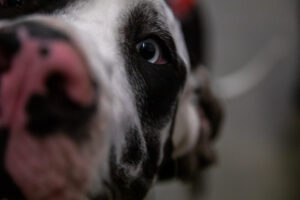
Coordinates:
(55, 83)
(56, 111)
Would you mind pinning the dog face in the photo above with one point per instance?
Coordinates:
(92, 94)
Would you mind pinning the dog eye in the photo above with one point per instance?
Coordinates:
(151, 51)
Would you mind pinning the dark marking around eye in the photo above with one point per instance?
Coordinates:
(156, 88)
(161, 84)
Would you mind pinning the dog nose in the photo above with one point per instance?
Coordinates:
(44, 79)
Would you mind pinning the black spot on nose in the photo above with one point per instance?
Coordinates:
(44, 51)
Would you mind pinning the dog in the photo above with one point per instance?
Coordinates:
(99, 99)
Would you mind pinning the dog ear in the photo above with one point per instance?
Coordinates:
(199, 114)
(197, 124)
(210, 114)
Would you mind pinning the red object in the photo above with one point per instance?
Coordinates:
(182, 8)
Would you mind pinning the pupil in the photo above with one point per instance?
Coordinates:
(147, 50)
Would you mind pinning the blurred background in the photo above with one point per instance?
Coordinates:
(253, 53)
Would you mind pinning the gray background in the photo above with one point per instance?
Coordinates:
(254, 145)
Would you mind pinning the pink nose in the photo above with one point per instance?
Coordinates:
(37, 62)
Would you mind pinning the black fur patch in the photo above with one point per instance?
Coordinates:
(124, 186)
(133, 152)
(127, 187)
(41, 31)
(168, 168)
(8, 189)
(156, 89)
(31, 7)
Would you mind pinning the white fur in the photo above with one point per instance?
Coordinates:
(95, 25)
